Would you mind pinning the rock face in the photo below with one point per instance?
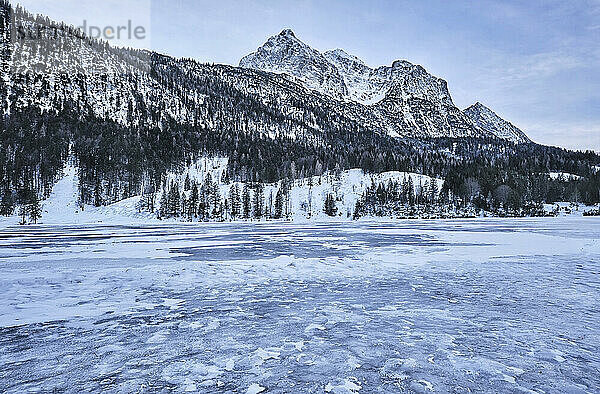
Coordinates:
(410, 101)
(488, 120)
(418, 101)
(284, 53)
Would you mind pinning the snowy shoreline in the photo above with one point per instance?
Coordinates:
(152, 221)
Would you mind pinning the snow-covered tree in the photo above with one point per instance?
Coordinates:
(246, 202)
(330, 209)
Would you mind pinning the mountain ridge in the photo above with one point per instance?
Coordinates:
(414, 102)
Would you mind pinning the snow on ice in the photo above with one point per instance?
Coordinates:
(500, 305)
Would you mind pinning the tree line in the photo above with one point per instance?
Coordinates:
(208, 201)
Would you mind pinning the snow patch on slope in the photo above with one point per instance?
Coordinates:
(62, 203)
(564, 176)
(307, 196)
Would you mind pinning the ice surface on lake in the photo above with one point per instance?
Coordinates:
(481, 305)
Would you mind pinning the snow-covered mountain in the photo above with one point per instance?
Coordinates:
(487, 119)
(125, 118)
(338, 73)
(408, 100)
(316, 92)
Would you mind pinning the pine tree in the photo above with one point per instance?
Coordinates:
(206, 192)
(234, 197)
(422, 192)
(211, 196)
(192, 209)
(310, 198)
(215, 196)
(6, 204)
(226, 211)
(97, 194)
(433, 191)
(330, 209)
(174, 200)
(34, 209)
(411, 191)
(246, 202)
(358, 209)
(146, 203)
(187, 183)
(184, 207)
(269, 210)
(279, 197)
(23, 214)
(259, 201)
(164, 204)
(203, 205)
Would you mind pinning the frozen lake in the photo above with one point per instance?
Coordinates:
(445, 306)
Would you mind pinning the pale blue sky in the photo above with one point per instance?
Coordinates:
(536, 63)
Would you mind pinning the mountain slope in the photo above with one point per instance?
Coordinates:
(124, 118)
(357, 76)
(488, 120)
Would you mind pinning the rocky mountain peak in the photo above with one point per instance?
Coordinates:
(285, 53)
(287, 33)
(414, 101)
(401, 64)
(342, 75)
(404, 93)
(485, 118)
